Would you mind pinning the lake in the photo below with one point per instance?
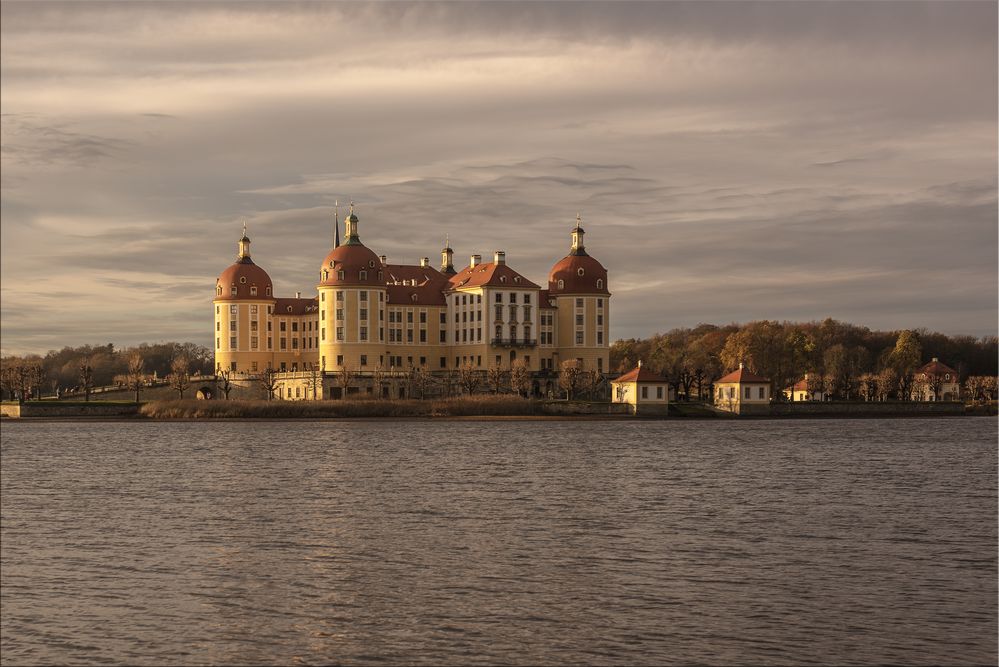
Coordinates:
(500, 542)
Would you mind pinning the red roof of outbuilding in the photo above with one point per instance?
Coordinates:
(743, 376)
(935, 367)
(639, 374)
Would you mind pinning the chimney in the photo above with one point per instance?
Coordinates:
(475, 261)
(499, 257)
(384, 259)
(298, 295)
(424, 262)
(740, 365)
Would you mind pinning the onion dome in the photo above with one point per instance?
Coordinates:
(244, 279)
(351, 263)
(577, 272)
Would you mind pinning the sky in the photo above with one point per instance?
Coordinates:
(731, 162)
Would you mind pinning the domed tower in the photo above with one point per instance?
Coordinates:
(351, 304)
(244, 299)
(578, 286)
(447, 258)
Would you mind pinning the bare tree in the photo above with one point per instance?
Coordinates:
(86, 378)
(496, 376)
(20, 378)
(223, 379)
(468, 378)
(869, 386)
(570, 377)
(315, 381)
(421, 380)
(449, 380)
(135, 376)
(379, 380)
(267, 379)
(344, 378)
(180, 376)
(520, 377)
(887, 383)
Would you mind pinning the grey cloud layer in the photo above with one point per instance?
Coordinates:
(731, 161)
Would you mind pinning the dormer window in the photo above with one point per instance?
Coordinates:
(516, 279)
(580, 271)
(339, 274)
(600, 283)
(326, 274)
(268, 290)
(502, 279)
(242, 280)
(232, 291)
(362, 274)
(381, 277)
(414, 298)
(253, 291)
(331, 263)
(561, 284)
(289, 309)
(218, 290)
(371, 263)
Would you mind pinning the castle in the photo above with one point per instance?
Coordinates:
(371, 316)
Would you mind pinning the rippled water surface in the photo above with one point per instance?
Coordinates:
(509, 542)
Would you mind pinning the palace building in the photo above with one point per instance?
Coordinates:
(370, 316)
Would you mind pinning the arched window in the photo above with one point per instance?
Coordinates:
(600, 283)
(268, 291)
(561, 284)
(339, 274)
(218, 290)
(326, 274)
(516, 279)
(362, 274)
(253, 291)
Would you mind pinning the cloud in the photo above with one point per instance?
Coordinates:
(730, 160)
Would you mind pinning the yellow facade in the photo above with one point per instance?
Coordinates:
(426, 319)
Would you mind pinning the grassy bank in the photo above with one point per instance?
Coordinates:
(472, 406)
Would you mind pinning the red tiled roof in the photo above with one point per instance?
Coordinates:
(297, 306)
(404, 281)
(568, 269)
(639, 374)
(489, 275)
(935, 367)
(742, 376)
(243, 275)
(544, 300)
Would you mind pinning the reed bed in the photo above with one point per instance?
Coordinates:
(465, 406)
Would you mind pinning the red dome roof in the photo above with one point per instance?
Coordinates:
(352, 259)
(244, 275)
(579, 274)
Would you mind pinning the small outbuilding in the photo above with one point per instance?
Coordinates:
(743, 393)
(800, 392)
(646, 391)
(936, 381)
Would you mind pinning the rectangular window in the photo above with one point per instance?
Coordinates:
(443, 362)
(443, 336)
(232, 365)
(339, 360)
(579, 320)
(423, 335)
(409, 335)
(748, 390)
(364, 295)
(443, 317)
(218, 343)
(233, 309)
(322, 333)
(513, 297)
(499, 297)
(600, 303)
(659, 391)
(294, 343)
(600, 338)
(527, 298)
(579, 303)
(283, 326)
(294, 326)
(322, 296)
(253, 366)
(364, 333)
(600, 320)
(253, 326)
(423, 317)
(232, 325)
(364, 314)
(645, 392)
(339, 333)
(232, 342)
(284, 366)
(253, 343)
(579, 338)
(284, 343)
(270, 343)
(761, 392)
(364, 360)
(339, 314)
(339, 295)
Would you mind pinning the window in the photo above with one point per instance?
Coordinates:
(580, 271)
(423, 335)
(645, 390)
(513, 331)
(232, 342)
(600, 320)
(527, 333)
(283, 326)
(499, 330)
(339, 313)
(339, 333)
(600, 303)
(364, 333)
(579, 338)
(409, 316)
(761, 392)
(232, 365)
(270, 343)
(659, 391)
(600, 338)
(322, 333)
(364, 314)
(748, 392)
(423, 317)
(527, 313)
(443, 336)
(253, 326)
(294, 343)
(499, 297)
(322, 296)
(561, 284)
(443, 362)
(232, 325)
(579, 303)
(443, 317)
(340, 275)
(364, 360)
(269, 325)
(527, 298)
(284, 343)
(294, 326)
(409, 335)
(339, 295)
(513, 313)
(364, 295)
(218, 343)
(579, 320)
(253, 291)
(339, 360)
(362, 274)
(268, 290)
(513, 297)
(499, 313)
(600, 283)
(218, 292)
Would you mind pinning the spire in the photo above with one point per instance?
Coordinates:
(336, 223)
(447, 264)
(577, 238)
(244, 246)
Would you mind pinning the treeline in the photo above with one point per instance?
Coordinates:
(77, 368)
(845, 360)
